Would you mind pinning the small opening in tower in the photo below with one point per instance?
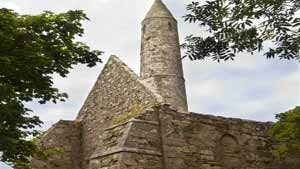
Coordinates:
(144, 28)
(170, 26)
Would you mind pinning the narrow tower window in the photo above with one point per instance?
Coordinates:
(170, 26)
(144, 28)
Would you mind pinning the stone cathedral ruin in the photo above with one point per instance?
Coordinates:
(142, 122)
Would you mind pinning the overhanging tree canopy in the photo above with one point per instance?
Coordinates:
(243, 26)
(32, 49)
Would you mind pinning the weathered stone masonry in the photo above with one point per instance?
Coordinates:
(117, 97)
(65, 135)
(161, 67)
(132, 122)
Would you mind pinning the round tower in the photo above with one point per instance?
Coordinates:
(161, 66)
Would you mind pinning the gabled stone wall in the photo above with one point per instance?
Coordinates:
(116, 97)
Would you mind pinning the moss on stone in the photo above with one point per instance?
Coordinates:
(135, 111)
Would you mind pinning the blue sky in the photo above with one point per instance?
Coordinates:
(251, 87)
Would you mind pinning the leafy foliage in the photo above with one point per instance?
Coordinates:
(244, 25)
(41, 153)
(287, 132)
(33, 48)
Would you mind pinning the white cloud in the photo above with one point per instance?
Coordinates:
(4, 166)
(103, 1)
(289, 87)
(10, 5)
(208, 88)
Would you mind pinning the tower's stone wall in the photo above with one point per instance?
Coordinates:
(161, 66)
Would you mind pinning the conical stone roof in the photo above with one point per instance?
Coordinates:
(159, 10)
